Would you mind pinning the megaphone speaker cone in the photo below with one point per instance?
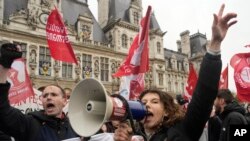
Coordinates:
(88, 106)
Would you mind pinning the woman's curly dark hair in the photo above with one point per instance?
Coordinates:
(174, 111)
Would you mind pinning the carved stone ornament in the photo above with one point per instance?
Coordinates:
(46, 3)
(85, 32)
(32, 17)
(43, 18)
(33, 55)
(20, 14)
(45, 69)
(57, 67)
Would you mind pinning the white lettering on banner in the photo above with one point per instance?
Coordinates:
(21, 91)
(32, 103)
(57, 38)
(54, 28)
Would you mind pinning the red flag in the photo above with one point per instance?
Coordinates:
(137, 59)
(191, 82)
(58, 42)
(223, 84)
(21, 87)
(240, 63)
(131, 86)
(136, 63)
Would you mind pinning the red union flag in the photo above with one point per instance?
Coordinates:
(137, 59)
(131, 86)
(136, 64)
(223, 84)
(58, 42)
(241, 64)
(21, 87)
(191, 82)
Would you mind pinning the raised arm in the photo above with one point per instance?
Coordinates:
(207, 86)
(220, 26)
(11, 119)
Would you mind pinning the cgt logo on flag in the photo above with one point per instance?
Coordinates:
(240, 62)
(21, 87)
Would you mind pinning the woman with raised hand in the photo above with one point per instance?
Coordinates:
(165, 120)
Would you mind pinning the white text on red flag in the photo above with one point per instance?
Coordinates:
(58, 42)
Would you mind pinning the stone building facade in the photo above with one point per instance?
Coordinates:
(100, 46)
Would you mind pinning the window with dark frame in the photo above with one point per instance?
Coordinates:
(124, 41)
(104, 69)
(44, 61)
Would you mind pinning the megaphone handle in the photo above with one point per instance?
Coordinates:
(130, 117)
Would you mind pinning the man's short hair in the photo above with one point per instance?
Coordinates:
(62, 90)
(226, 95)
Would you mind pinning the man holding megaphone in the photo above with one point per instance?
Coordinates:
(50, 124)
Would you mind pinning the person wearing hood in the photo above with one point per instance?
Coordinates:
(50, 124)
(229, 111)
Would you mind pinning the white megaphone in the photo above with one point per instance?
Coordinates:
(90, 107)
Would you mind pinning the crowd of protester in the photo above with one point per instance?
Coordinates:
(207, 118)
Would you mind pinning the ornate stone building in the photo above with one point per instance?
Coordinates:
(100, 46)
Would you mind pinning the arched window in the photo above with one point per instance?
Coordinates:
(136, 18)
(182, 87)
(124, 41)
(131, 41)
(169, 86)
(158, 44)
(176, 87)
(160, 75)
(104, 69)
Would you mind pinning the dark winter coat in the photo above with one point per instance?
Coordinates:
(233, 114)
(4, 137)
(200, 107)
(214, 127)
(35, 126)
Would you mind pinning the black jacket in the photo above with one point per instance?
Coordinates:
(32, 127)
(214, 127)
(200, 107)
(4, 137)
(233, 114)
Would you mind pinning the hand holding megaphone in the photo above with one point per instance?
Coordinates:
(90, 107)
(125, 132)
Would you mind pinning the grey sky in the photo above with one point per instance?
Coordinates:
(197, 15)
